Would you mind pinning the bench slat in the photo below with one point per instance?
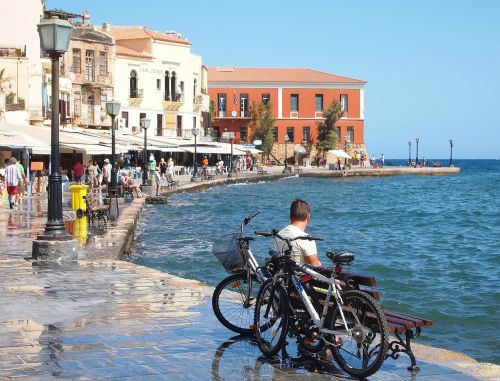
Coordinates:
(419, 322)
(364, 280)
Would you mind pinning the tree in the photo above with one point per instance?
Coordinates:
(261, 125)
(3, 80)
(327, 136)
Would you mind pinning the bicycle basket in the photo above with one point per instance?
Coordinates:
(228, 253)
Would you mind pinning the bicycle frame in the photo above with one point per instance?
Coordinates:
(333, 288)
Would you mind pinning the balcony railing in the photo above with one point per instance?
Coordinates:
(198, 99)
(136, 93)
(173, 97)
(12, 50)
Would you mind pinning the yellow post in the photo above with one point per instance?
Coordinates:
(81, 230)
(78, 193)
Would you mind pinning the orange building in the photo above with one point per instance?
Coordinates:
(298, 98)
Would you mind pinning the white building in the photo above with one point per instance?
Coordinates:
(20, 51)
(157, 77)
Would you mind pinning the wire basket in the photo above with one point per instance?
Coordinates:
(228, 253)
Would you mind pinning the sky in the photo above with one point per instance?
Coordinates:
(432, 66)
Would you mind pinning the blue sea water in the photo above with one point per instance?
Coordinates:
(433, 242)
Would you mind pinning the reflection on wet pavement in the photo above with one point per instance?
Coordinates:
(110, 319)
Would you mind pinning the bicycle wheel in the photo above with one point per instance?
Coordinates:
(362, 349)
(271, 318)
(230, 305)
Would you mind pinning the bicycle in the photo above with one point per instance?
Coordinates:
(352, 326)
(233, 300)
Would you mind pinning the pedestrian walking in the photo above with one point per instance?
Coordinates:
(382, 160)
(163, 168)
(106, 172)
(12, 178)
(78, 171)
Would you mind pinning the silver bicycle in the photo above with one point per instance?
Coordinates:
(349, 324)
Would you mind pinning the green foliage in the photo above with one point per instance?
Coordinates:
(212, 110)
(327, 136)
(261, 125)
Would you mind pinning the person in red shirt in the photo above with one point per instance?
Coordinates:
(78, 172)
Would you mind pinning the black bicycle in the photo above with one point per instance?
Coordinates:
(350, 325)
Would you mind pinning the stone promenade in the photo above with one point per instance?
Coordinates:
(103, 318)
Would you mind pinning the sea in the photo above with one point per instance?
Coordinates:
(432, 242)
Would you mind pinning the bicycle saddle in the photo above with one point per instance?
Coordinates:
(344, 257)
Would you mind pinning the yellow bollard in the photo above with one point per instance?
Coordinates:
(81, 229)
(78, 194)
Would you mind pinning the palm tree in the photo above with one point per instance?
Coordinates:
(3, 80)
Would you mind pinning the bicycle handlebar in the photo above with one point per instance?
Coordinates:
(247, 219)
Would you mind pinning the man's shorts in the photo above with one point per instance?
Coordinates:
(12, 190)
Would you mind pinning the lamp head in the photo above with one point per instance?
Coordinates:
(145, 123)
(417, 140)
(195, 131)
(113, 108)
(54, 35)
(287, 138)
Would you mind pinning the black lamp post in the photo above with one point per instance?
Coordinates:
(230, 135)
(409, 154)
(145, 123)
(113, 108)
(346, 145)
(54, 40)
(451, 153)
(416, 156)
(287, 139)
(195, 131)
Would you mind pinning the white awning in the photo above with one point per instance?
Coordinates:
(339, 153)
(93, 149)
(18, 137)
(221, 148)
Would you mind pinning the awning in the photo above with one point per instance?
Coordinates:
(340, 153)
(221, 149)
(93, 149)
(13, 137)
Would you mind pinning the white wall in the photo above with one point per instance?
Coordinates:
(18, 27)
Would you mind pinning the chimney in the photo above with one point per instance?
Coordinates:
(106, 27)
(86, 18)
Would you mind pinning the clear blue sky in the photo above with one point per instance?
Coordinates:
(433, 67)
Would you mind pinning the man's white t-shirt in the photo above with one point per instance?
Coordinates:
(301, 248)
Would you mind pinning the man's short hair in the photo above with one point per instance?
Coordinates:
(299, 210)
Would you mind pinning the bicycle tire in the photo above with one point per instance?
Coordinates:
(363, 352)
(271, 318)
(232, 312)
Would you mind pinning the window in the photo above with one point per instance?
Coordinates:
(89, 66)
(306, 134)
(179, 126)
(294, 102)
(167, 86)
(344, 103)
(159, 124)
(244, 105)
(76, 67)
(77, 104)
(173, 89)
(243, 134)
(222, 102)
(158, 84)
(337, 131)
(195, 89)
(265, 98)
(350, 134)
(319, 102)
(125, 116)
(275, 134)
(290, 133)
(103, 63)
(133, 84)
(142, 115)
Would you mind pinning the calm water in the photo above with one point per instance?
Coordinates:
(433, 242)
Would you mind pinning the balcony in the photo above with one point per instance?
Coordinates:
(173, 102)
(197, 103)
(135, 97)
(13, 51)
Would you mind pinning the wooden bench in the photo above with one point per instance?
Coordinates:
(261, 170)
(95, 209)
(398, 323)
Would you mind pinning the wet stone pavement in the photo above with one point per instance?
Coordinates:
(110, 319)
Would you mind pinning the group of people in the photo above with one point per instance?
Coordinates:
(13, 178)
(92, 174)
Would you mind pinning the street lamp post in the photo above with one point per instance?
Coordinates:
(451, 153)
(54, 40)
(230, 135)
(113, 108)
(195, 131)
(145, 125)
(346, 145)
(409, 154)
(416, 156)
(287, 139)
